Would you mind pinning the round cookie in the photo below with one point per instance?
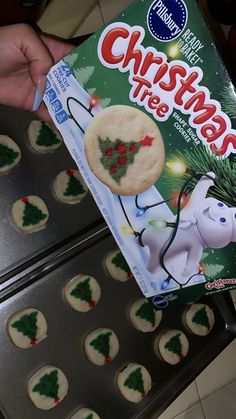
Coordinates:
(200, 319)
(85, 413)
(10, 153)
(124, 149)
(101, 346)
(69, 187)
(143, 315)
(29, 214)
(27, 327)
(82, 292)
(172, 346)
(117, 266)
(42, 137)
(47, 387)
(134, 382)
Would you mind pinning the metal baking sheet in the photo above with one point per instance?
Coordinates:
(88, 384)
(34, 176)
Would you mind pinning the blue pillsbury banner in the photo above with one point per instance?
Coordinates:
(167, 19)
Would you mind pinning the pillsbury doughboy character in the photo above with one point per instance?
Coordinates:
(203, 223)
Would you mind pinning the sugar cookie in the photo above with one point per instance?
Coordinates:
(117, 266)
(134, 382)
(30, 214)
(172, 346)
(124, 149)
(27, 327)
(69, 186)
(47, 387)
(101, 346)
(85, 413)
(42, 137)
(200, 319)
(82, 292)
(10, 153)
(143, 315)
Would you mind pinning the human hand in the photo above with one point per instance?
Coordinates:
(25, 59)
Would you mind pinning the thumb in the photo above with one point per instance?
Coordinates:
(35, 51)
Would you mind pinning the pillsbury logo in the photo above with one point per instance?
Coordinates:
(166, 19)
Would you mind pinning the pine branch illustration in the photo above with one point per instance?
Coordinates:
(201, 160)
(228, 101)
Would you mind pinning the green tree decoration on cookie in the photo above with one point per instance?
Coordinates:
(120, 262)
(27, 325)
(118, 155)
(174, 345)
(7, 155)
(89, 416)
(48, 386)
(102, 345)
(135, 381)
(200, 317)
(74, 187)
(147, 312)
(47, 137)
(83, 292)
(31, 214)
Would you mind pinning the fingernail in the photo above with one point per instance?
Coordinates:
(39, 93)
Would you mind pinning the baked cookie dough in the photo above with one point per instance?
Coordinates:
(117, 266)
(124, 149)
(134, 382)
(172, 346)
(47, 387)
(82, 292)
(10, 153)
(69, 187)
(27, 327)
(85, 413)
(101, 346)
(200, 319)
(42, 137)
(143, 315)
(30, 214)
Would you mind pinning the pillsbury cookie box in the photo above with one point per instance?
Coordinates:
(147, 109)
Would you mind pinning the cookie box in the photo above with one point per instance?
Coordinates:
(34, 175)
(62, 344)
(142, 106)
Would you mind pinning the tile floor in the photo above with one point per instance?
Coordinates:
(213, 394)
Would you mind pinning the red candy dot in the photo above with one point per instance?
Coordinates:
(122, 160)
(133, 148)
(70, 172)
(146, 141)
(113, 168)
(108, 151)
(121, 148)
(25, 200)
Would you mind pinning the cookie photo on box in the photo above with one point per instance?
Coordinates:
(124, 149)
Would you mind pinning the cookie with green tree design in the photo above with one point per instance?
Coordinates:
(47, 387)
(143, 315)
(124, 149)
(69, 186)
(101, 346)
(134, 382)
(27, 327)
(30, 214)
(85, 413)
(172, 346)
(200, 319)
(117, 266)
(42, 137)
(82, 292)
(10, 154)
